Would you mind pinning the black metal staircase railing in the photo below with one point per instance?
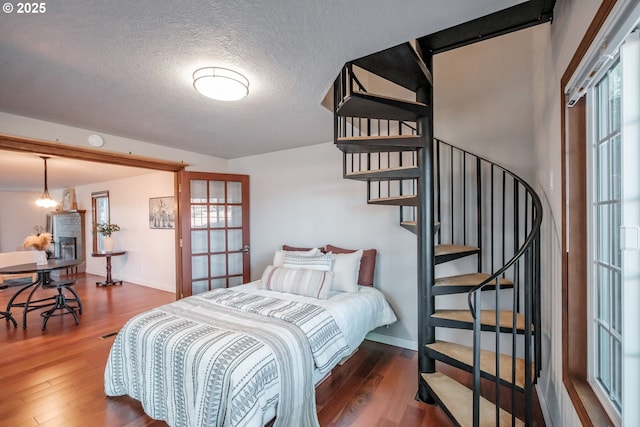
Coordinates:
(476, 207)
(482, 204)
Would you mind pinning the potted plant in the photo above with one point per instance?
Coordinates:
(107, 229)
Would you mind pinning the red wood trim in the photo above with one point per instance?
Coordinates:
(36, 146)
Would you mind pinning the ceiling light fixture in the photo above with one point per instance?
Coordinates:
(45, 201)
(95, 140)
(220, 83)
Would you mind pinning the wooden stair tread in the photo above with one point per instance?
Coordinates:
(464, 354)
(487, 317)
(379, 138)
(400, 172)
(406, 200)
(454, 249)
(472, 279)
(446, 253)
(413, 226)
(456, 400)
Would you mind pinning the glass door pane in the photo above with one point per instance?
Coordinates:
(217, 232)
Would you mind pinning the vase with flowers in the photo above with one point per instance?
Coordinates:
(39, 242)
(106, 230)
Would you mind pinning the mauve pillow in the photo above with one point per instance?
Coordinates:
(294, 248)
(297, 249)
(367, 263)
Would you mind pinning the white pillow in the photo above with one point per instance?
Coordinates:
(346, 268)
(320, 262)
(278, 258)
(300, 281)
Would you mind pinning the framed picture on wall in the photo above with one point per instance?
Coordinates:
(69, 199)
(161, 212)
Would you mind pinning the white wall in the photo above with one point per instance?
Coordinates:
(12, 124)
(150, 257)
(554, 46)
(298, 197)
(482, 100)
(18, 217)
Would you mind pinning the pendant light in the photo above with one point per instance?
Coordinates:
(45, 201)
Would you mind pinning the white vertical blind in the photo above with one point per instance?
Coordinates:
(630, 60)
(624, 17)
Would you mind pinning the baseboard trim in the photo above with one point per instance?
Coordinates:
(397, 342)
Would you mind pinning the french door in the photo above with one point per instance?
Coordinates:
(214, 231)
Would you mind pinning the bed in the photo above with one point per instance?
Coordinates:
(243, 355)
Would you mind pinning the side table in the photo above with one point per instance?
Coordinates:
(109, 281)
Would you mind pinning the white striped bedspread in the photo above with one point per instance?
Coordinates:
(224, 358)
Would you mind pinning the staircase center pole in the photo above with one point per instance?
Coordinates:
(425, 221)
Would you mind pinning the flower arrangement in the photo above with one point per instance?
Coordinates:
(38, 242)
(107, 229)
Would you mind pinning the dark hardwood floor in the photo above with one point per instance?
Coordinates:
(55, 378)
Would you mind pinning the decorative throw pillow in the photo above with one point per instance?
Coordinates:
(346, 267)
(315, 262)
(299, 281)
(367, 263)
(278, 258)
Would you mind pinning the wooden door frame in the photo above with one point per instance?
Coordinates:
(39, 147)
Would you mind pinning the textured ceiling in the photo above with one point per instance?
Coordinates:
(124, 67)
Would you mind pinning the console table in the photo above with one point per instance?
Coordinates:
(109, 281)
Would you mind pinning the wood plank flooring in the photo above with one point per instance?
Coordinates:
(55, 378)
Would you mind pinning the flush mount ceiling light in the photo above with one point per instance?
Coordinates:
(220, 83)
(45, 201)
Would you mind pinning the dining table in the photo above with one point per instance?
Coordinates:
(43, 276)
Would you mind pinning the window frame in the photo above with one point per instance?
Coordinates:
(605, 31)
(574, 244)
(594, 140)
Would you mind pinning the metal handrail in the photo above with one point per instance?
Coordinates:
(533, 235)
(525, 250)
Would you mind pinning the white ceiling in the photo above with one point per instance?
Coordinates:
(124, 67)
(25, 172)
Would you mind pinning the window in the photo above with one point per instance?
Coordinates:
(100, 215)
(601, 221)
(605, 279)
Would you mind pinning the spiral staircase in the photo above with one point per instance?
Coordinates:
(471, 216)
